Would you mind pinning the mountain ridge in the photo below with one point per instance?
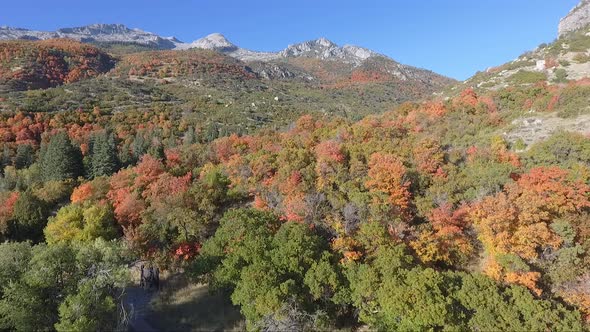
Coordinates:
(320, 48)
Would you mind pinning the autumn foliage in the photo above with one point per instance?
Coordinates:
(48, 63)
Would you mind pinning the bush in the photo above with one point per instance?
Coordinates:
(573, 101)
(527, 77)
(560, 76)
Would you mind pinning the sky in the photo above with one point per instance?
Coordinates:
(456, 38)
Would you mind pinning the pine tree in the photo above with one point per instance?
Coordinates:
(140, 146)
(189, 137)
(157, 151)
(5, 159)
(125, 155)
(25, 156)
(60, 160)
(103, 159)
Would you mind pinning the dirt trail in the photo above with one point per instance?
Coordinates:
(137, 301)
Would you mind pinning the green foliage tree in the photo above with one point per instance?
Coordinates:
(30, 304)
(60, 159)
(393, 293)
(562, 148)
(103, 157)
(14, 258)
(69, 288)
(25, 156)
(268, 265)
(512, 309)
(30, 217)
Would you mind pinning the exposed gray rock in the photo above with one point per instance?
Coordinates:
(321, 48)
(578, 18)
(214, 41)
(219, 43)
(94, 33)
(325, 49)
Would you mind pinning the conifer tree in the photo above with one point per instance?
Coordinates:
(25, 156)
(103, 155)
(60, 159)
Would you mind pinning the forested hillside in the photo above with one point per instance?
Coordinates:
(353, 201)
(338, 217)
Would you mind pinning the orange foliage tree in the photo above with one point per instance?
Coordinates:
(517, 221)
(388, 182)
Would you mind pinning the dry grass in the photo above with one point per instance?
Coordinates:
(185, 306)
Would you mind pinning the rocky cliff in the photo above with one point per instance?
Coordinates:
(578, 18)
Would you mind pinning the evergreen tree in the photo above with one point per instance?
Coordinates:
(189, 137)
(125, 155)
(5, 159)
(139, 147)
(103, 159)
(60, 160)
(25, 156)
(157, 151)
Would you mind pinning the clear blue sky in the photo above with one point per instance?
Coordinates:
(452, 37)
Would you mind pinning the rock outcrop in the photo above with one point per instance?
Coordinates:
(578, 18)
(94, 33)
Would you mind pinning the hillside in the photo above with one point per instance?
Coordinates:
(578, 18)
(321, 188)
(220, 93)
(26, 65)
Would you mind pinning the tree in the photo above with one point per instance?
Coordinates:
(514, 308)
(7, 210)
(30, 217)
(62, 286)
(103, 158)
(14, 259)
(30, 303)
(392, 295)
(387, 181)
(269, 266)
(25, 156)
(60, 159)
(445, 237)
(88, 310)
(77, 223)
(517, 221)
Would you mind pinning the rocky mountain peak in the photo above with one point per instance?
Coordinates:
(308, 48)
(98, 29)
(101, 33)
(324, 42)
(214, 41)
(578, 18)
(325, 49)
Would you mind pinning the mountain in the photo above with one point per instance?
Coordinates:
(321, 61)
(321, 49)
(578, 18)
(218, 42)
(325, 49)
(94, 33)
(229, 89)
(567, 59)
(545, 90)
(26, 65)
